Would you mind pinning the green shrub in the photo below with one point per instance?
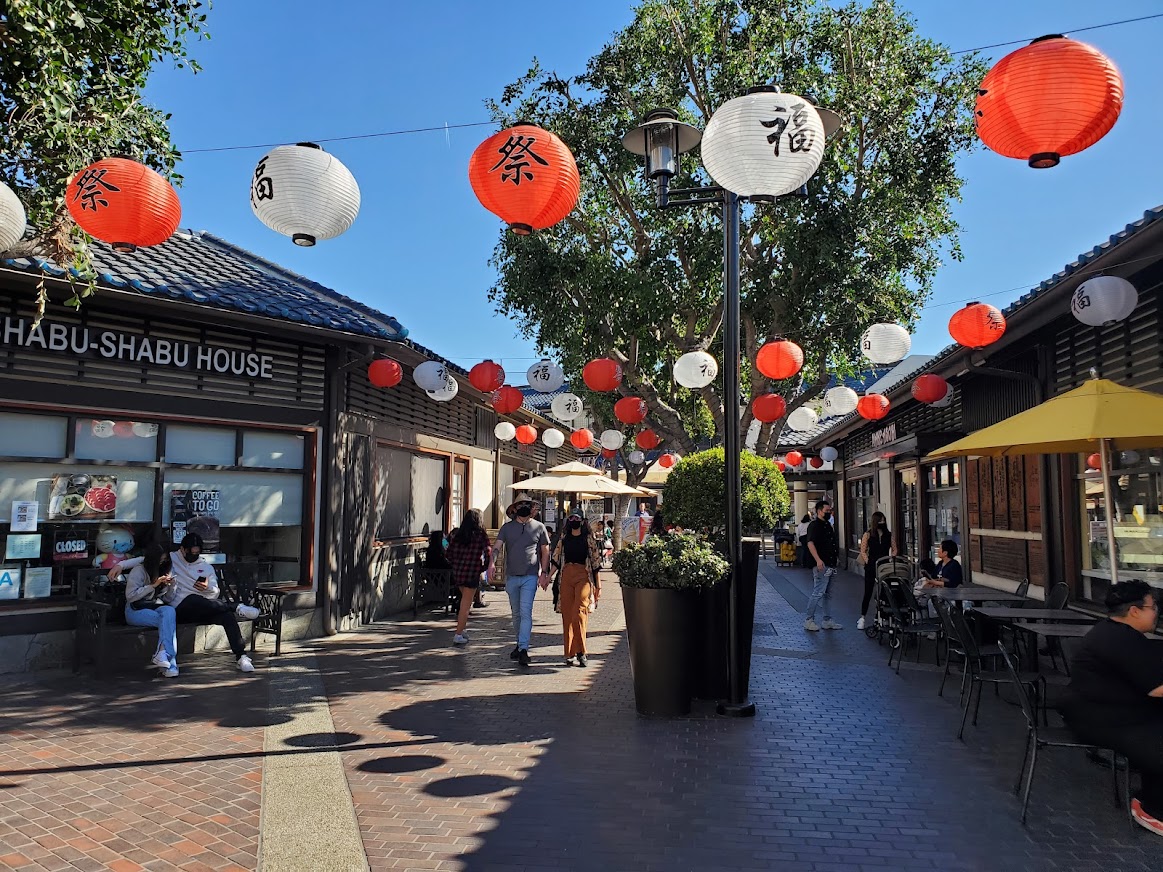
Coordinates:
(694, 496)
(681, 561)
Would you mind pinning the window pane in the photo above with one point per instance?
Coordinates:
(278, 546)
(263, 448)
(247, 499)
(106, 439)
(202, 445)
(132, 488)
(410, 493)
(32, 435)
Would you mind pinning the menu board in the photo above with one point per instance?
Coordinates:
(82, 497)
(196, 511)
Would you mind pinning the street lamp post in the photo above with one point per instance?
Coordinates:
(661, 139)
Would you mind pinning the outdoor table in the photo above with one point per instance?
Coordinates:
(975, 593)
(1062, 616)
(1061, 631)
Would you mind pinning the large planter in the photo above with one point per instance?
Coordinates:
(661, 625)
(711, 672)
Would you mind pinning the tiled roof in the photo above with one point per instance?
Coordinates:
(536, 401)
(198, 267)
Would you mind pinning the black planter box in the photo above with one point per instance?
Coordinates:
(711, 671)
(661, 625)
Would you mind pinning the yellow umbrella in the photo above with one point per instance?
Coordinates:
(1093, 417)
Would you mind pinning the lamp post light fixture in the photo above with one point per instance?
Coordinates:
(761, 143)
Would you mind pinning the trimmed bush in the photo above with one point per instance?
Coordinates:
(680, 561)
(695, 498)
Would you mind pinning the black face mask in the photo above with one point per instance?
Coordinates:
(190, 556)
(827, 516)
(575, 525)
(524, 511)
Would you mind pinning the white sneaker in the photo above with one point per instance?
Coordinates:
(810, 624)
(172, 672)
(831, 625)
(860, 623)
(247, 613)
(244, 664)
(161, 660)
(460, 640)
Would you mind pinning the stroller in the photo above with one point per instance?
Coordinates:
(891, 574)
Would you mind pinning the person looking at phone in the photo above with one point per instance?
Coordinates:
(143, 586)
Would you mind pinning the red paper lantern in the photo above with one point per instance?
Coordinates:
(124, 203)
(486, 376)
(779, 359)
(977, 325)
(647, 440)
(630, 410)
(581, 439)
(793, 458)
(768, 407)
(1094, 461)
(666, 461)
(1051, 98)
(526, 434)
(123, 429)
(602, 374)
(872, 407)
(384, 373)
(507, 399)
(930, 388)
(782, 466)
(609, 453)
(526, 176)
(816, 462)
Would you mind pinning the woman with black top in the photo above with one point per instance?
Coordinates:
(875, 544)
(578, 557)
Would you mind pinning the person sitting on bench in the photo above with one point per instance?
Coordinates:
(144, 585)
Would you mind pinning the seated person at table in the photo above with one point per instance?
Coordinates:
(1115, 697)
(949, 572)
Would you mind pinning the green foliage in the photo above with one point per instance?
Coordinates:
(694, 495)
(681, 561)
(623, 278)
(71, 81)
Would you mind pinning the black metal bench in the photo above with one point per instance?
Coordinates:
(243, 583)
(431, 585)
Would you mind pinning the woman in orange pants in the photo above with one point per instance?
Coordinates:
(578, 558)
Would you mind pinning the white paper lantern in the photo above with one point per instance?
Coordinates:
(431, 375)
(839, 401)
(447, 390)
(696, 369)
(828, 454)
(637, 456)
(566, 407)
(145, 430)
(12, 218)
(612, 440)
(802, 419)
(305, 193)
(886, 343)
(545, 376)
(553, 438)
(1104, 300)
(505, 431)
(102, 429)
(766, 143)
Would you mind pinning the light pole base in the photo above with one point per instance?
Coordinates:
(745, 709)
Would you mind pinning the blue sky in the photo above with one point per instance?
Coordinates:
(289, 70)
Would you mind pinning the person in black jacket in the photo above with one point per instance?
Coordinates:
(825, 554)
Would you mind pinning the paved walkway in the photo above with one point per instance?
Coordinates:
(458, 760)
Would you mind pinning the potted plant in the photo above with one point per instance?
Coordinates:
(662, 580)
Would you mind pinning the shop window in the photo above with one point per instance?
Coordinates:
(109, 439)
(32, 435)
(410, 493)
(80, 494)
(861, 505)
(277, 450)
(202, 446)
(1137, 518)
(943, 505)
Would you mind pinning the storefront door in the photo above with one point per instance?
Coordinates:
(906, 520)
(459, 492)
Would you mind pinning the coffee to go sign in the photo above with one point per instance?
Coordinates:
(134, 348)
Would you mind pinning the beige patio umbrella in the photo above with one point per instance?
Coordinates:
(574, 467)
(576, 483)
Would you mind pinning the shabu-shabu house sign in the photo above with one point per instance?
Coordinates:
(134, 348)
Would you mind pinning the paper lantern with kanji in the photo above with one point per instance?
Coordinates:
(602, 374)
(885, 343)
(526, 434)
(872, 407)
(12, 218)
(612, 440)
(305, 193)
(124, 203)
(793, 458)
(430, 375)
(696, 369)
(447, 390)
(630, 410)
(505, 431)
(768, 407)
(802, 419)
(385, 373)
(486, 376)
(1102, 300)
(1094, 461)
(930, 388)
(667, 461)
(839, 401)
(1051, 98)
(545, 376)
(815, 462)
(507, 399)
(566, 407)
(636, 457)
(525, 176)
(977, 325)
(779, 359)
(581, 439)
(648, 440)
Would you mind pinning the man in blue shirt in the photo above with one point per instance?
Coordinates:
(949, 572)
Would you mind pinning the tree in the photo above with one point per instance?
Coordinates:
(71, 81)
(620, 277)
(695, 494)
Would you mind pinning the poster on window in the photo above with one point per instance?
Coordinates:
(82, 497)
(10, 575)
(195, 510)
(38, 582)
(24, 516)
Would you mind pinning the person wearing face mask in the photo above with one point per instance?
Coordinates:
(469, 554)
(526, 544)
(876, 544)
(578, 556)
(825, 551)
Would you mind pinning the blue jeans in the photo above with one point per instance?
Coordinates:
(821, 592)
(165, 619)
(522, 589)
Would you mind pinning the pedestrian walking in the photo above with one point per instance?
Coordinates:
(825, 551)
(876, 544)
(469, 554)
(580, 584)
(526, 544)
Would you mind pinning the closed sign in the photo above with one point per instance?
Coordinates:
(70, 548)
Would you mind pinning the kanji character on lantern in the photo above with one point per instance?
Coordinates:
(516, 154)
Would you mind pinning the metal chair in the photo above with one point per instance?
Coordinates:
(242, 583)
(1038, 738)
(906, 623)
(1058, 598)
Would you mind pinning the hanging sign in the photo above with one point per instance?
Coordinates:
(196, 511)
(24, 516)
(38, 582)
(70, 545)
(10, 581)
(22, 546)
(883, 436)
